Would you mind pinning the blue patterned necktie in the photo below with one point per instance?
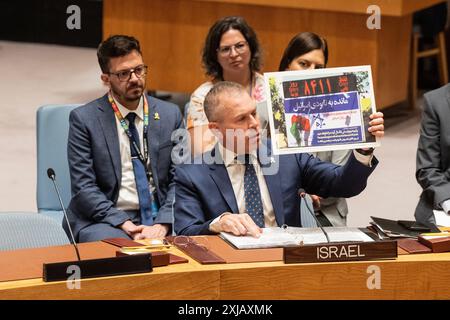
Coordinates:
(253, 202)
(140, 176)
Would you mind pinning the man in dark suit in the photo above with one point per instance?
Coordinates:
(240, 187)
(433, 156)
(119, 152)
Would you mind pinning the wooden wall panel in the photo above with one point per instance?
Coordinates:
(393, 63)
(172, 34)
(388, 7)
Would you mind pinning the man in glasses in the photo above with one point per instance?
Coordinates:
(119, 153)
(240, 187)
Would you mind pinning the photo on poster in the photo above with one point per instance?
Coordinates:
(321, 109)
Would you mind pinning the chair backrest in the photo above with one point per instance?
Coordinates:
(52, 133)
(29, 230)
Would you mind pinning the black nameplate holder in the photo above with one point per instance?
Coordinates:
(105, 267)
(341, 251)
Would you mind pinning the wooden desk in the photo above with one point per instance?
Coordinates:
(425, 276)
(172, 33)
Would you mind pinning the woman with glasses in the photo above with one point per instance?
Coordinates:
(308, 51)
(231, 53)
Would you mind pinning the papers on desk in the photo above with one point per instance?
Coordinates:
(391, 229)
(148, 246)
(442, 218)
(278, 237)
(270, 238)
(336, 234)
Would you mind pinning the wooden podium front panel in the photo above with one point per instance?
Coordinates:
(418, 276)
(176, 286)
(339, 281)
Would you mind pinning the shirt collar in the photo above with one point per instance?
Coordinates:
(229, 157)
(139, 110)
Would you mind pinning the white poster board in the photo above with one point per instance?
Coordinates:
(321, 109)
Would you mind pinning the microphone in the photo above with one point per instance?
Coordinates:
(302, 194)
(101, 267)
(52, 176)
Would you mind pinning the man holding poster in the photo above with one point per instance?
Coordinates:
(241, 186)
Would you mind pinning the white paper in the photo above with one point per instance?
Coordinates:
(270, 238)
(336, 234)
(442, 218)
(278, 237)
(434, 237)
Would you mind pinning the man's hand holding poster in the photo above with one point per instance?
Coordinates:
(320, 110)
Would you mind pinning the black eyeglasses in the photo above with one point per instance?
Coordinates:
(125, 75)
(184, 242)
(240, 48)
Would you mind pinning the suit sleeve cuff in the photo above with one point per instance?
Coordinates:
(116, 219)
(446, 206)
(365, 160)
(214, 225)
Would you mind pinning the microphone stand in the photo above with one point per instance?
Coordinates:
(302, 194)
(130, 264)
(52, 176)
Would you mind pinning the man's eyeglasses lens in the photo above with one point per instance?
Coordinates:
(125, 75)
(185, 241)
(240, 48)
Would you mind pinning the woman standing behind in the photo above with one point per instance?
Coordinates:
(307, 51)
(231, 53)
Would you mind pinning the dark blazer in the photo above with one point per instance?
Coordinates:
(433, 154)
(95, 165)
(204, 191)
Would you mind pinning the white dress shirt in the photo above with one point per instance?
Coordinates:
(236, 171)
(446, 206)
(128, 195)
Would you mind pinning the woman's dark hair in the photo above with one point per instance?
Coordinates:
(212, 43)
(301, 44)
(116, 46)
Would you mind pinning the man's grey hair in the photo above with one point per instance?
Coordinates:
(213, 102)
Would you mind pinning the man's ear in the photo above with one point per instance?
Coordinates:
(105, 80)
(212, 125)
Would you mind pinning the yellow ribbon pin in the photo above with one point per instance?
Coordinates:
(156, 116)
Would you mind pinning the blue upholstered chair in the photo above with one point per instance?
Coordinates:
(52, 132)
(29, 230)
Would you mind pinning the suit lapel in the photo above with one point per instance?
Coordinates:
(219, 174)
(269, 164)
(107, 121)
(448, 94)
(153, 134)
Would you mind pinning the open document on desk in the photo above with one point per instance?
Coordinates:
(442, 218)
(291, 236)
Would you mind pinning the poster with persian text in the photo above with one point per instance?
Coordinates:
(320, 110)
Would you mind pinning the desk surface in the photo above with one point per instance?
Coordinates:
(425, 276)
